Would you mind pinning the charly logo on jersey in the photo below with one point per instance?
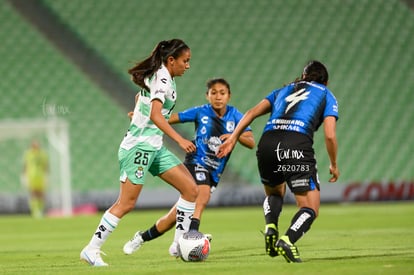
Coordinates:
(204, 119)
(230, 125)
(140, 172)
(294, 98)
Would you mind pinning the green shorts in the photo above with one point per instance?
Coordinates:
(135, 163)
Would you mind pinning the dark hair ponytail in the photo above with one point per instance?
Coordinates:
(159, 56)
(315, 71)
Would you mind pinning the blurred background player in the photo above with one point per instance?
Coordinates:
(35, 173)
(214, 122)
(285, 153)
(142, 150)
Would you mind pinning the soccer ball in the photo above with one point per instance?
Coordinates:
(193, 246)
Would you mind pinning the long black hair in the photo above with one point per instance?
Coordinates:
(315, 71)
(159, 56)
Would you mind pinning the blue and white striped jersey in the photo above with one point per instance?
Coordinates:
(208, 129)
(301, 109)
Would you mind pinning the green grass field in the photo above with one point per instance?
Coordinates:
(345, 239)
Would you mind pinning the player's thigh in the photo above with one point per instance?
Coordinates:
(163, 161)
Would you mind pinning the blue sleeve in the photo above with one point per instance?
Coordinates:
(238, 116)
(331, 108)
(188, 115)
(272, 96)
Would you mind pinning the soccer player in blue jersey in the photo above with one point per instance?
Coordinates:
(285, 153)
(214, 122)
(142, 151)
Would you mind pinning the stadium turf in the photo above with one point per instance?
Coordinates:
(346, 239)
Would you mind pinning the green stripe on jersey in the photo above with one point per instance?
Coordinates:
(142, 130)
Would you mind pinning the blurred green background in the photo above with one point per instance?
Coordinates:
(59, 57)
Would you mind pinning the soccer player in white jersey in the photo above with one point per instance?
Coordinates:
(142, 150)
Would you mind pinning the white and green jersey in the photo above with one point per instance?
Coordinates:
(142, 130)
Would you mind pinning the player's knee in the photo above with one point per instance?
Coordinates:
(127, 207)
(190, 193)
(194, 191)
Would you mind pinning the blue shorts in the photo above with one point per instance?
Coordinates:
(201, 175)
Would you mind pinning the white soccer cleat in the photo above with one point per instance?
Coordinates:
(134, 244)
(92, 256)
(173, 250)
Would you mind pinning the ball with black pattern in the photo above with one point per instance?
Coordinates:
(193, 246)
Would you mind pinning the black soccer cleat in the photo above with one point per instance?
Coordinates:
(285, 248)
(271, 235)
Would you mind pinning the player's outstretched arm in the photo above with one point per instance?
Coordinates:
(329, 125)
(247, 139)
(174, 119)
(260, 109)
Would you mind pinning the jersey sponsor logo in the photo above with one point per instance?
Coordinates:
(300, 183)
(287, 124)
(213, 144)
(210, 162)
(198, 167)
(287, 128)
(230, 125)
(296, 97)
